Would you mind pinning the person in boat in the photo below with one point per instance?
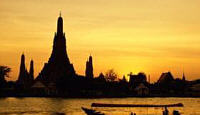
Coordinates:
(175, 112)
(91, 111)
(166, 112)
(133, 113)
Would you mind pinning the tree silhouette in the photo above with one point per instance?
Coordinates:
(4, 72)
(111, 75)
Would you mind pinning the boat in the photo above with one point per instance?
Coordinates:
(135, 105)
(91, 111)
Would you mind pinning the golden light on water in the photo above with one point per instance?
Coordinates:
(152, 36)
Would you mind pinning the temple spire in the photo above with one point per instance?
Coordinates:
(22, 65)
(22, 71)
(183, 76)
(31, 71)
(58, 67)
(60, 14)
(89, 68)
(60, 25)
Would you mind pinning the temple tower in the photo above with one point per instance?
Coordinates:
(59, 53)
(89, 68)
(183, 76)
(58, 65)
(31, 71)
(23, 74)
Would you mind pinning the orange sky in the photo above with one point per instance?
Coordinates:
(152, 36)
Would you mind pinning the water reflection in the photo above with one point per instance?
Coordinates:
(60, 106)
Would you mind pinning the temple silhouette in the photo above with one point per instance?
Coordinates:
(58, 74)
(59, 64)
(58, 78)
(25, 78)
(89, 68)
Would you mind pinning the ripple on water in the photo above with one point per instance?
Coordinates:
(60, 106)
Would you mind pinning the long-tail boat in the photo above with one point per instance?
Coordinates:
(135, 105)
(91, 111)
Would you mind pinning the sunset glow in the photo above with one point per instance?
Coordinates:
(152, 36)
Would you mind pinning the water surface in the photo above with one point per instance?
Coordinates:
(56, 106)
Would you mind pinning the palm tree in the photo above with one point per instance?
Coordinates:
(4, 72)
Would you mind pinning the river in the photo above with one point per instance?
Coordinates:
(55, 106)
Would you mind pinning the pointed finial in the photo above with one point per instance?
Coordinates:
(60, 14)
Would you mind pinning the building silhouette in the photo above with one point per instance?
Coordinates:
(89, 68)
(135, 80)
(58, 65)
(31, 71)
(25, 79)
(59, 79)
(165, 78)
(183, 78)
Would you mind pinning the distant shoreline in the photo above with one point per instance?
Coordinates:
(101, 97)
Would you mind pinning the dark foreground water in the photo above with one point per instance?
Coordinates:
(55, 106)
